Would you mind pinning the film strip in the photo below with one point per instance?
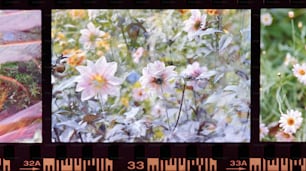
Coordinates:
(52, 155)
(185, 158)
(154, 164)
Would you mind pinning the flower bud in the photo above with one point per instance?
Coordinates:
(291, 14)
(300, 25)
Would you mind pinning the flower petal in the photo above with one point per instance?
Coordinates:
(114, 81)
(90, 26)
(195, 14)
(87, 94)
(83, 84)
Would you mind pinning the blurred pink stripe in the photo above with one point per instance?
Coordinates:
(20, 51)
(19, 21)
(34, 111)
(21, 134)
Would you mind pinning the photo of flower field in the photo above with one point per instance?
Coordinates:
(151, 75)
(283, 75)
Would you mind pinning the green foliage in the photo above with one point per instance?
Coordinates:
(27, 74)
(280, 90)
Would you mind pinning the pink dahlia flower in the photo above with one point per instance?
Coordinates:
(158, 78)
(195, 23)
(192, 72)
(139, 94)
(98, 79)
(90, 36)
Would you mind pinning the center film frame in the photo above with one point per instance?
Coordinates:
(122, 153)
(149, 79)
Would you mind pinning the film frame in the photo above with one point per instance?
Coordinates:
(227, 155)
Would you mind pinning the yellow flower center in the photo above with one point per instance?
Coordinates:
(290, 121)
(302, 72)
(266, 19)
(197, 25)
(92, 37)
(99, 81)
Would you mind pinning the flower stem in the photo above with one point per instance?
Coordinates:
(80, 135)
(293, 33)
(127, 46)
(278, 99)
(195, 103)
(101, 102)
(168, 120)
(57, 135)
(125, 40)
(180, 110)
